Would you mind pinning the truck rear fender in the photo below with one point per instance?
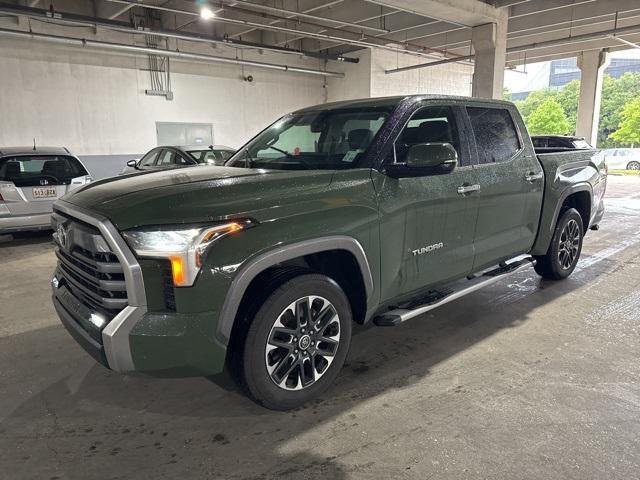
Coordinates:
(576, 196)
(300, 255)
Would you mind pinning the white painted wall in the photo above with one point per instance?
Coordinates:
(93, 102)
(447, 79)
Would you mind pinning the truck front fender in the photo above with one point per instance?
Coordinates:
(255, 266)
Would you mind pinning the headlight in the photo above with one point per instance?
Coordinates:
(184, 247)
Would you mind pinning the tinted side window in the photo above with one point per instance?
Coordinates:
(429, 125)
(495, 133)
(539, 142)
(149, 159)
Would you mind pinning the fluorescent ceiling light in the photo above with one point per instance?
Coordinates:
(207, 13)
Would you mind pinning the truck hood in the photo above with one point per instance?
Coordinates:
(197, 194)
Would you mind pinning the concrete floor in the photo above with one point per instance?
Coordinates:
(527, 379)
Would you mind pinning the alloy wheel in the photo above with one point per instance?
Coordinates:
(302, 343)
(569, 244)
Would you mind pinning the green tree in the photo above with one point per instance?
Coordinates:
(533, 101)
(568, 97)
(548, 119)
(629, 130)
(506, 94)
(616, 93)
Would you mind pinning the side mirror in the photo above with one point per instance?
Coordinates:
(132, 163)
(425, 159)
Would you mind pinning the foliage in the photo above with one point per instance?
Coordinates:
(548, 119)
(616, 93)
(629, 130)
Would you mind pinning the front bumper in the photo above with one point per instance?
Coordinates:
(20, 223)
(155, 343)
(143, 336)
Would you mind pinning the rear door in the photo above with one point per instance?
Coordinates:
(29, 184)
(511, 185)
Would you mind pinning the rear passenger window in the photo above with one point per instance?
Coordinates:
(429, 125)
(495, 133)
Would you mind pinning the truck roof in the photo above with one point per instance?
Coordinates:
(395, 100)
(5, 151)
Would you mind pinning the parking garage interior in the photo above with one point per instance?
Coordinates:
(528, 378)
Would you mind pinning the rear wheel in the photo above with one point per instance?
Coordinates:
(297, 342)
(566, 245)
(633, 166)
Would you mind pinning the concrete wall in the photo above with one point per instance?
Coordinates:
(448, 79)
(94, 102)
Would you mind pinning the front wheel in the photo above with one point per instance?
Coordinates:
(633, 166)
(297, 342)
(566, 245)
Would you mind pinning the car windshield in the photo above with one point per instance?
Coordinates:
(210, 156)
(31, 170)
(327, 139)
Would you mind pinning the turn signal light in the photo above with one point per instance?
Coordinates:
(177, 270)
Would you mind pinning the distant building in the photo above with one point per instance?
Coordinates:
(564, 71)
(557, 73)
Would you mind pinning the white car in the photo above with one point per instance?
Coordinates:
(31, 179)
(621, 158)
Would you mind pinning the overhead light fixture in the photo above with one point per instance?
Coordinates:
(207, 13)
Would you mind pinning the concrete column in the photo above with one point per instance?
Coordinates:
(592, 65)
(490, 47)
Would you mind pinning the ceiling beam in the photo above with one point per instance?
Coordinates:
(467, 13)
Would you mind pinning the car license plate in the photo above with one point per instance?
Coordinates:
(44, 192)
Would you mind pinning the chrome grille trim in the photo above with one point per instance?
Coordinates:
(115, 335)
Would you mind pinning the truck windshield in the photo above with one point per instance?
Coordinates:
(326, 139)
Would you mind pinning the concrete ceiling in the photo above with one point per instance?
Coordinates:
(431, 29)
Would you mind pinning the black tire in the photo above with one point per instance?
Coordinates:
(259, 354)
(633, 165)
(564, 252)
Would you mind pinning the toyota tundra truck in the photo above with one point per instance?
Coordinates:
(370, 211)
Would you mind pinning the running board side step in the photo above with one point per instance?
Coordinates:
(399, 315)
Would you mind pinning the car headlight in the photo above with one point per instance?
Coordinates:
(185, 247)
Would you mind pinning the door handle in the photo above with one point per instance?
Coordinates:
(466, 188)
(533, 177)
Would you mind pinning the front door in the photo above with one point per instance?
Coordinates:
(511, 187)
(426, 223)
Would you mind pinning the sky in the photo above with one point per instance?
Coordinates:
(535, 76)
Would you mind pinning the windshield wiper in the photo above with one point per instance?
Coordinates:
(281, 151)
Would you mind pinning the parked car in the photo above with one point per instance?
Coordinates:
(162, 158)
(559, 142)
(621, 158)
(373, 211)
(31, 179)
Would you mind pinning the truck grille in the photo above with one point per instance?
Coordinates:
(89, 269)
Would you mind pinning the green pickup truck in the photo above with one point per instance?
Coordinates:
(370, 211)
